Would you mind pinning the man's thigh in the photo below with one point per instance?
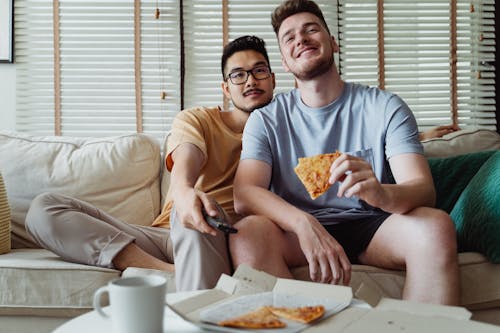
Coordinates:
(396, 237)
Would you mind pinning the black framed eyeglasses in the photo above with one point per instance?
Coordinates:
(241, 76)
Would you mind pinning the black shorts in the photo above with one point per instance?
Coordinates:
(355, 235)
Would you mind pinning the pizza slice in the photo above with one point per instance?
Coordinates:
(314, 172)
(304, 314)
(260, 318)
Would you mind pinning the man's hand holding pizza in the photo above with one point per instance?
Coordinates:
(357, 178)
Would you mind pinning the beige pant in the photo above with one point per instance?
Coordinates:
(80, 232)
(200, 259)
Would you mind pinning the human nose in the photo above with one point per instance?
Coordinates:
(301, 38)
(251, 80)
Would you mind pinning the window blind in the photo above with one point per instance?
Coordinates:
(202, 48)
(97, 67)
(161, 65)
(34, 66)
(407, 47)
(423, 54)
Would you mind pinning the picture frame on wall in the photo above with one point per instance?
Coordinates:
(6, 30)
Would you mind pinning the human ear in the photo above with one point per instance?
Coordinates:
(225, 89)
(285, 66)
(335, 46)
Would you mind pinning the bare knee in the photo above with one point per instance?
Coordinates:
(254, 239)
(437, 234)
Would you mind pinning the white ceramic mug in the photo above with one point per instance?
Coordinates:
(137, 304)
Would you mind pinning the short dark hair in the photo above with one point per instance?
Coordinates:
(292, 7)
(242, 44)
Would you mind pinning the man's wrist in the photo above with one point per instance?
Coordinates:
(302, 222)
(385, 199)
(179, 191)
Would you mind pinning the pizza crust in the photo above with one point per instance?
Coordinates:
(304, 314)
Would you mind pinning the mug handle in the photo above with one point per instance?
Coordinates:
(97, 301)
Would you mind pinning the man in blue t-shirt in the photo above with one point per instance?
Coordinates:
(364, 217)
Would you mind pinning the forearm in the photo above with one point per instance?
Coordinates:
(182, 180)
(186, 169)
(414, 185)
(401, 198)
(256, 200)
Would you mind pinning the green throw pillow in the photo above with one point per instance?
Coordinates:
(452, 174)
(477, 211)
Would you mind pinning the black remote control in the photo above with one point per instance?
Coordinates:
(219, 222)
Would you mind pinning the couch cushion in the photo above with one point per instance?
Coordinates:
(117, 174)
(37, 282)
(477, 212)
(4, 219)
(462, 142)
(479, 281)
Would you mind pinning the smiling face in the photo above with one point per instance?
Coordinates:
(306, 46)
(253, 93)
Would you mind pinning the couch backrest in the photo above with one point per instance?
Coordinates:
(462, 142)
(120, 175)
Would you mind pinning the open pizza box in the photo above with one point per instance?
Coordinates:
(249, 289)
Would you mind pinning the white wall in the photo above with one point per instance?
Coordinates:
(7, 96)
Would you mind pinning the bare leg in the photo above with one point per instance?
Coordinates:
(262, 245)
(133, 256)
(424, 242)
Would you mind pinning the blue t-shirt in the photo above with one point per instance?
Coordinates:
(366, 122)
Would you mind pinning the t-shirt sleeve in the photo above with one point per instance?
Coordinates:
(255, 143)
(402, 130)
(186, 128)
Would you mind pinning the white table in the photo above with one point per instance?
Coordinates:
(93, 322)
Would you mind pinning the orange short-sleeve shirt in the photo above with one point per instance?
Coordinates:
(204, 128)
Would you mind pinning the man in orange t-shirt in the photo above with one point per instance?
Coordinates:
(203, 152)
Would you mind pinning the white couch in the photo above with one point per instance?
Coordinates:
(124, 176)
